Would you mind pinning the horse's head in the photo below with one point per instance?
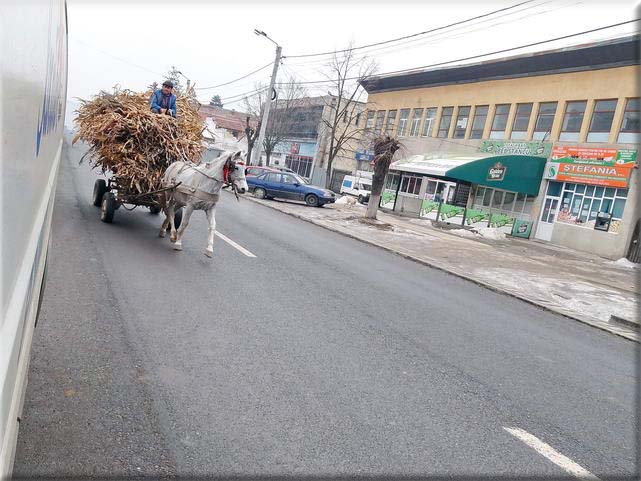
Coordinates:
(235, 169)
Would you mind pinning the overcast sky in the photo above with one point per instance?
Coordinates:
(134, 43)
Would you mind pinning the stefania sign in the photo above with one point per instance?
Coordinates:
(511, 147)
(496, 172)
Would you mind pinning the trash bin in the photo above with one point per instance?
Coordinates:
(603, 221)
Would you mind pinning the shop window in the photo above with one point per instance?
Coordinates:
(521, 121)
(544, 121)
(417, 115)
(389, 125)
(629, 133)
(301, 164)
(369, 123)
(601, 122)
(380, 118)
(554, 188)
(500, 121)
(487, 197)
(478, 124)
(411, 184)
(508, 201)
(461, 122)
(391, 181)
(402, 122)
(446, 120)
(572, 121)
(580, 203)
(428, 124)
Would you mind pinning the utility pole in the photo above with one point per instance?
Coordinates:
(258, 146)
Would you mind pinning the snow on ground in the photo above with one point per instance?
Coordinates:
(623, 262)
(463, 232)
(577, 297)
(491, 233)
(346, 200)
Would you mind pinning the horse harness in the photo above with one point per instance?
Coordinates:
(229, 166)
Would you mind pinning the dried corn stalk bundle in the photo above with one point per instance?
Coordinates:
(134, 143)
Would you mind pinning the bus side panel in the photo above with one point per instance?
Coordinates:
(33, 82)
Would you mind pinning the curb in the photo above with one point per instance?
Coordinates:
(602, 325)
(624, 322)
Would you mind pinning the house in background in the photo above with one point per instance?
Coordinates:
(225, 129)
(306, 142)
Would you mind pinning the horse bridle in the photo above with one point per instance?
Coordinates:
(229, 167)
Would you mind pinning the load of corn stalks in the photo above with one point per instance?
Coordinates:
(135, 144)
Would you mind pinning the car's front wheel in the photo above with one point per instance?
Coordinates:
(312, 200)
(259, 193)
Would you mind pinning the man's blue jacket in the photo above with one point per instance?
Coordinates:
(156, 102)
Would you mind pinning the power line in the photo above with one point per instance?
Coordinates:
(236, 80)
(408, 36)
(246, 94)
(417, 69)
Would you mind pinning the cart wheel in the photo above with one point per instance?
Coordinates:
(99, 189)
(155, 210)
(108, 207)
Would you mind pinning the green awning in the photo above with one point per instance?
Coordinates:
(518, 173)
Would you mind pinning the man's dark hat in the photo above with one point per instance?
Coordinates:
(168, 83)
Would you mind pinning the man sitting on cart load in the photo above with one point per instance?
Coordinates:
(163, 101)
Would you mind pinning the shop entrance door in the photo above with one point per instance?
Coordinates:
(548, 214)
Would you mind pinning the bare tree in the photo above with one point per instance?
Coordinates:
(281, 121)
(251, 133)
(345, 71)
(384, 149)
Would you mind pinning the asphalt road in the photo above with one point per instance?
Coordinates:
(318, 356)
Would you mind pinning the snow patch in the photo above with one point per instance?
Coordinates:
(491, 233)
(345, 200)
(463, 232)
(623, 262)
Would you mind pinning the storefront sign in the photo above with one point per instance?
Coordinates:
(522, 228)
(496, 172)
(511, 147)
(364, 155)
(604, 167)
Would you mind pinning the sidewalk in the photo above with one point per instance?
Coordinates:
(577, 285)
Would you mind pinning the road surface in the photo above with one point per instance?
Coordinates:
(318, 356)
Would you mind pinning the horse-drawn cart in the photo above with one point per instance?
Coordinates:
(111, 194)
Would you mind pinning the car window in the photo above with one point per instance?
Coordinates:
(272, 177)
(290, 179)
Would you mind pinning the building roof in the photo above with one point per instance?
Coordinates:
(619, 52)
(225, 118)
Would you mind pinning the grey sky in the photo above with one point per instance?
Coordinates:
(214, 43)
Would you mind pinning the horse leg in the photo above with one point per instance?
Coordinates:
(171, 212)
(165, 223)
(178, 244)
(211, 217)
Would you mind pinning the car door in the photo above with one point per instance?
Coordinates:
(291, 188)
(273, 186)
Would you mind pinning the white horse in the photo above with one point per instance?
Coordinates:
(198, 188)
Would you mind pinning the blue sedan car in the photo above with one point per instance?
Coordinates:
(289, 186)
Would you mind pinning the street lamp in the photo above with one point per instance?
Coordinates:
(188, 81)
(268, 101)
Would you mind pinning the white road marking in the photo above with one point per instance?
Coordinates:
(552, 454)
(234, 245)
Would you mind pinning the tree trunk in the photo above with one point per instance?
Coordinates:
(384, 149)
(268, 155)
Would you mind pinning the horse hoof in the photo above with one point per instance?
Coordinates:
(161, 234)
(177, 247)
(209, 253)
(172, 238)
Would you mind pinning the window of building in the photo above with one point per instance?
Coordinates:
(478, 124)
(402, 122)
(544, 121)
(572, 120)
(417, 115)
(428, 124)
(629, 133)
(389, 125)
(369, 123)
(411, 184)
(601, 122)
(301, 164)
(521, 121)
(580, 203)
(506, 202)
(380, 118)
(446, 120)
(391, 181)
(461, 122)
(500, 121)
(357, 119)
